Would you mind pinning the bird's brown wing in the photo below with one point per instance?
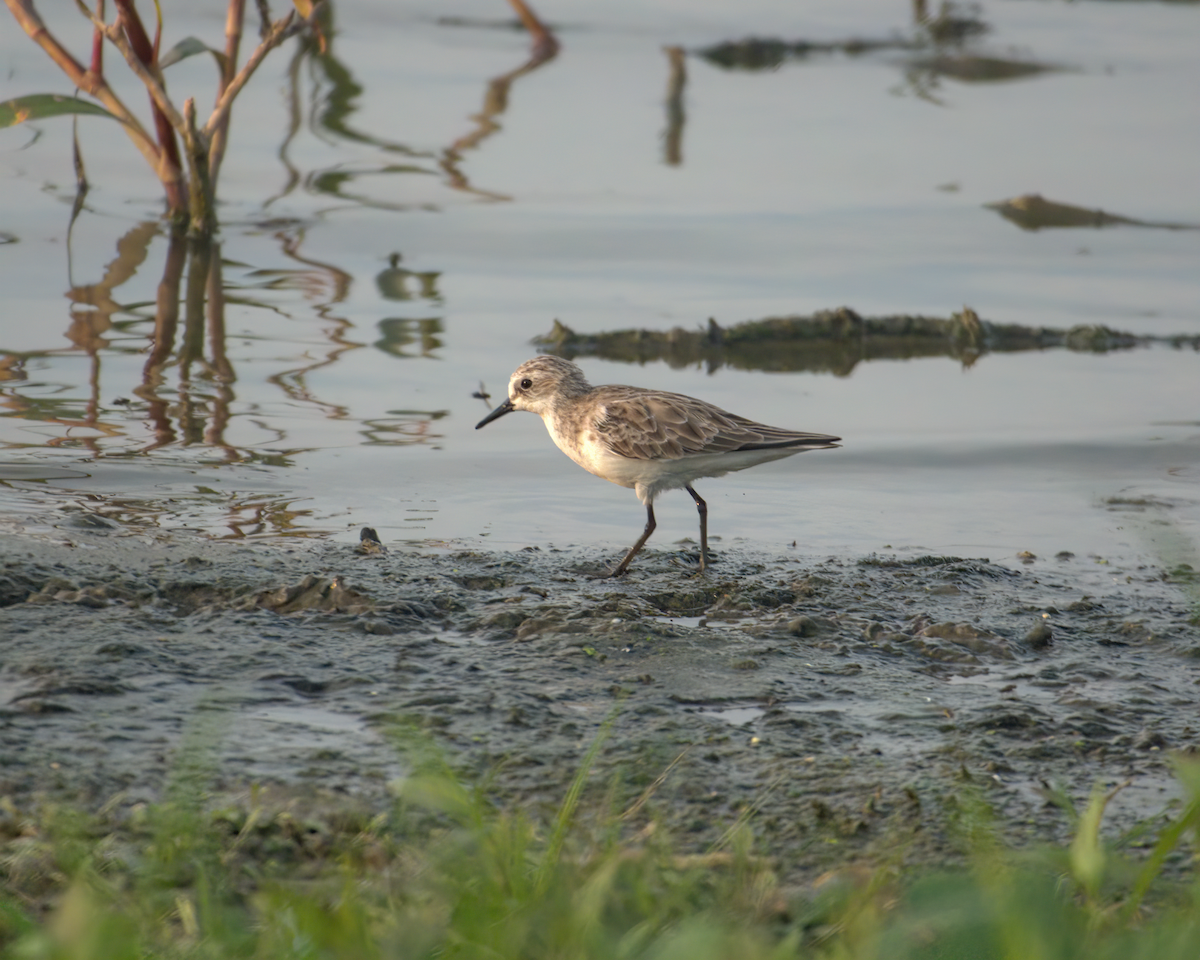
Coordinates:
(653, 425)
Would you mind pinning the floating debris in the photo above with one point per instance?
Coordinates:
(973, 68)
(835, 341)
(770, 53)
(1031, 211)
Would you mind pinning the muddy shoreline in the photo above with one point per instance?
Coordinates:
(839, 701)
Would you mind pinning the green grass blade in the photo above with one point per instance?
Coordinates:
(189, 47)
(39, 106)
(1188, 772)
(1087, 856)
(566, 812)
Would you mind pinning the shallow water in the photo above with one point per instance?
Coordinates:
(339, 393)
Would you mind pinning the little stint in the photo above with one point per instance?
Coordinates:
(649, 440)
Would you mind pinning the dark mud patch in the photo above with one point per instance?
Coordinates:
(839, 701)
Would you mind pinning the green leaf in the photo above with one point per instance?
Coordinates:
(189, 47)
(1087, 854)
(38, 106)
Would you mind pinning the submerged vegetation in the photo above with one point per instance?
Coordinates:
(446, 872)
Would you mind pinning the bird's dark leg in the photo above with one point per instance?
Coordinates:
(621, 567)
(702, 509)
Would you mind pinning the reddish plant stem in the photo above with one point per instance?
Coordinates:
(97, 66)
(171, 170)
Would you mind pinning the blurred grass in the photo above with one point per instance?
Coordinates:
(446, 873)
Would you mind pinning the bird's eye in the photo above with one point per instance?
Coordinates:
(526, 384)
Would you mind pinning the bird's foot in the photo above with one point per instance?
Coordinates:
(617, 571)
(695, 561)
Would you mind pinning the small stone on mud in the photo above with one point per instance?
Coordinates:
(92, 523)
(805, 627)
(976, 639)
(369, 544)
(949, 630)
(534, 626)
(1039, 637)
(84, 598)
(1135, 631)
(1150, 740)
(847, 670)
(810, 586)
(480, 583)
(313, 593)
(873, 631)
(504, 619)
(43, 706)
(119, 649)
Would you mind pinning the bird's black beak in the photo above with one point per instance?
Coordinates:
(505, 407)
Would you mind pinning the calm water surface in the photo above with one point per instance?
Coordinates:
(338, 392)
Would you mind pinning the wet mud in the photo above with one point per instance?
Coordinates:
(837, 703)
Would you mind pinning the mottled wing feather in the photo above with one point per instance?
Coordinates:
(650, 425)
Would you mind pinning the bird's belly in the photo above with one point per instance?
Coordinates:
(668, 474)
(597, 459)
(619, 470)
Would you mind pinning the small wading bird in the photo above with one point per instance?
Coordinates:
(649, 440)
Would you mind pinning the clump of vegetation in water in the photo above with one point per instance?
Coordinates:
(188, 176)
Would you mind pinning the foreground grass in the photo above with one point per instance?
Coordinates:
(446, 874)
